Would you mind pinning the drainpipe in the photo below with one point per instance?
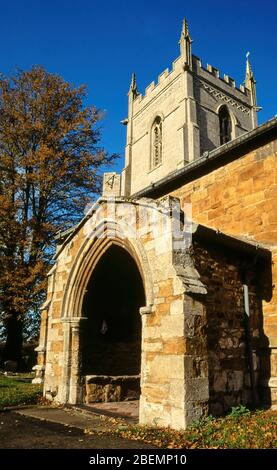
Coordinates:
(248, 341)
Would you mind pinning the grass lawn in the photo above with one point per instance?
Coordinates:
(18, 390)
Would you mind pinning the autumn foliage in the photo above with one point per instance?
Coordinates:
(241, 429)
(49, 169)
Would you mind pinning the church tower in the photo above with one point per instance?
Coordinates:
(188, 111)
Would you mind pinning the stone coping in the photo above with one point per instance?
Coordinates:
(110, 378)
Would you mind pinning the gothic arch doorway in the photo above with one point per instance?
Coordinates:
(112, 334)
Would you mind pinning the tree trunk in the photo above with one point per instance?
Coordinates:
(13, 347)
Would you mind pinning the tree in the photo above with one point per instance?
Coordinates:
(49, 169)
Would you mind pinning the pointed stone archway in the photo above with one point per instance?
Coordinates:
(111, 343)
(91, 255)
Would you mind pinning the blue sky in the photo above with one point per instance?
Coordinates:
(100, 44)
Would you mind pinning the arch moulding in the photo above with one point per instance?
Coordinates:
(87, 258)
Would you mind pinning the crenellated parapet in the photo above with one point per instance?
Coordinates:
(165, 78)
(214, 74)
(209, 73)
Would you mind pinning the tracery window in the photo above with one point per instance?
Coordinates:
(156, 143)
(225, 125)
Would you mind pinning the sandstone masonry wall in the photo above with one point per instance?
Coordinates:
(239, 198)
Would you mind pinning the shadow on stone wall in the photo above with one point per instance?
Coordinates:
(238, 355)
(264, 287)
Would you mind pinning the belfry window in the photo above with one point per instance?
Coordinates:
(225, 125)
(156, 143)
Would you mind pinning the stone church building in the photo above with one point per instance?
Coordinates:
(165, 291)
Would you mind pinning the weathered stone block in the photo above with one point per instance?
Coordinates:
(165, 288)
(165, 367)
(57, 346)
(156, 393)
(197, 390)
(177, 307)
(174, 346)
(111, 388)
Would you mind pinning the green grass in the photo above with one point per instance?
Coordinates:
(18, 390)
(241, 429)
